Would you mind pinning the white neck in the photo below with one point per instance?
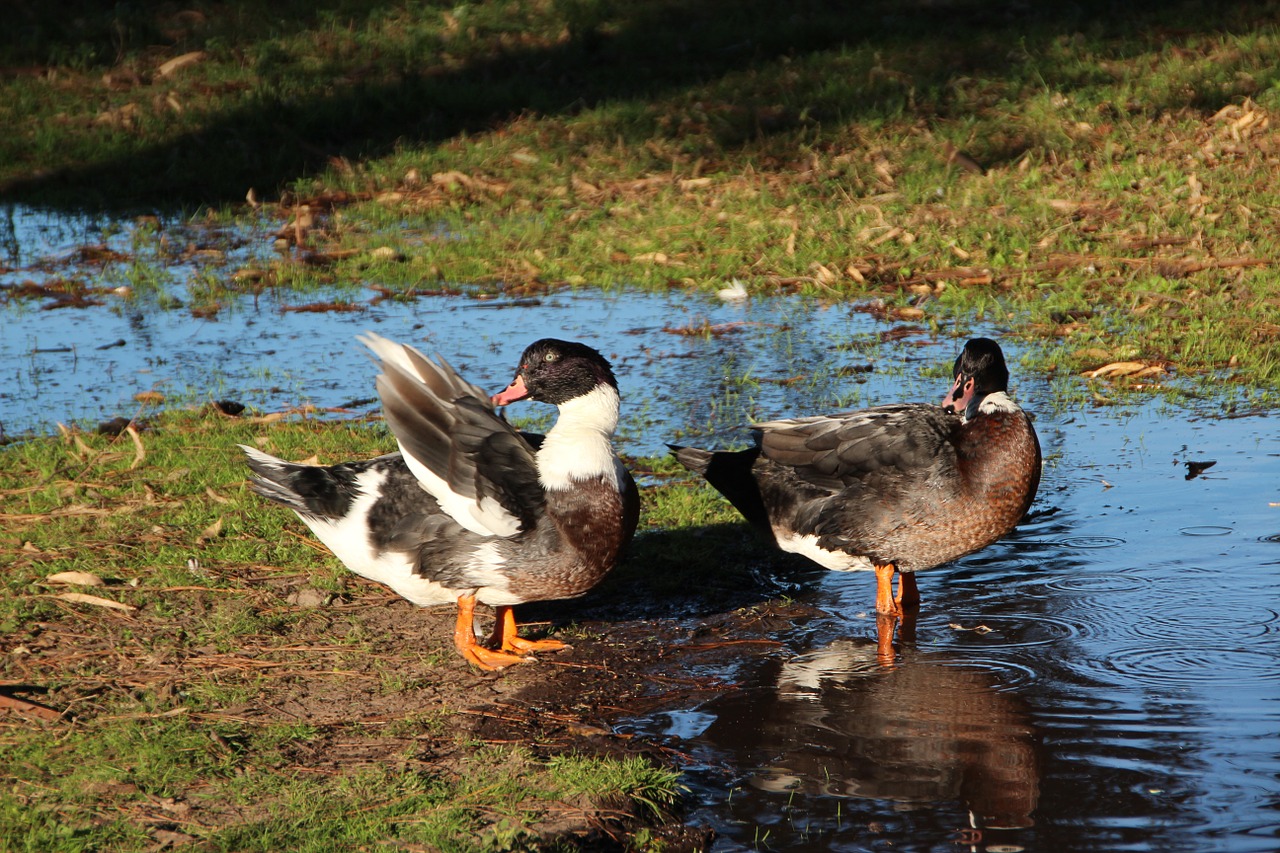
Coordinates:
(580, 445)
(997, 402)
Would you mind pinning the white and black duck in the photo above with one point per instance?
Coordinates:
(470, 509)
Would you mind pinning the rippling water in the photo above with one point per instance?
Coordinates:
(1106, 679)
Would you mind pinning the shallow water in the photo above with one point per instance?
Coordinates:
(77, 364)
(1125, 697)
(1107, 678)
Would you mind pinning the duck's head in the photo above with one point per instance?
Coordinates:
(979, 371)
(555, 372)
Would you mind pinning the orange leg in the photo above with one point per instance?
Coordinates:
(506, 637)
(885, 602)
(908, 592)
(464, 637)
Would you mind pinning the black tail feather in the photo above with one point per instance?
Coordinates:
(310, 490)
(730, 473)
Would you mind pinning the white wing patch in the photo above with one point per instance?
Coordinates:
(348, 538)
(807, 546)
(486, 516)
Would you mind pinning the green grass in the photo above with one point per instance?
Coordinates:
(160, 729)
(100, 785)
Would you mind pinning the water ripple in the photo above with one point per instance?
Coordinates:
(1091, 542)
(1200, 616)
(994, 631)
(1186, 667)
(1005, 674)
(1206, 530)
(1111, 582)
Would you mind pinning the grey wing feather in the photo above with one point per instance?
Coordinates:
(449, 426)
(836, 451)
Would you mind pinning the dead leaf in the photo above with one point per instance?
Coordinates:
(823, 274)
(210, 532)
(1129, 369)
(140, 452)
(77, 578)
(1115, 368)
(977, 629)
(694, 183)
(179, 62)
(25, 707)
(215, 497)
(450, 178)
(892, 234)
(149, 398)
(956, 157)
(170, 838)
(96, 601)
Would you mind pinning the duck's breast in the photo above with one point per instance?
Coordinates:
(578, 543)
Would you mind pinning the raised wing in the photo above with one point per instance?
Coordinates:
(479, 469)
(836, 451)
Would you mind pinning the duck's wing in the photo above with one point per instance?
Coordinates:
(835, 452)
(480, 470)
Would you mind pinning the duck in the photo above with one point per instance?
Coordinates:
(469, 509)
(896, 488)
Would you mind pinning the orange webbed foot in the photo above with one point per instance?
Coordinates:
(507, 638)
(520, 644)
(908, 597)
(489, 659)
(464, 638)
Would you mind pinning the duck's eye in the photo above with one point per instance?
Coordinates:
(551, 356)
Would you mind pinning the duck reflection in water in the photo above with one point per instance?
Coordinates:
(839, 722)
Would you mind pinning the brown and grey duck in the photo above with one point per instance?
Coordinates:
(895, 488)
